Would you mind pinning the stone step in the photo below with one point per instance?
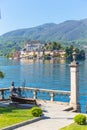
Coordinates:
(68, 108)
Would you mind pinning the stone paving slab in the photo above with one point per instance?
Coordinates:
(55, 117)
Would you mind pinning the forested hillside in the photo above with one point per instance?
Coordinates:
(68, 32)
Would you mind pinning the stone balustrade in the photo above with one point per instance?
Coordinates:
(35, 91)
(51, 92)
(2, 93)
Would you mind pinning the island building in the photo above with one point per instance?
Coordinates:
(16, 55)
(34, 49)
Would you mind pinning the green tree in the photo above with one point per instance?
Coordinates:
(69, 51)
(80, 54)
(1, 74)
(53, 46)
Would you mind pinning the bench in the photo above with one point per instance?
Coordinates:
(22, 100)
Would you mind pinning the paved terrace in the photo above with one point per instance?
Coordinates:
(55, 117)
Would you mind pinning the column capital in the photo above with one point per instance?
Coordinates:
(74, 64)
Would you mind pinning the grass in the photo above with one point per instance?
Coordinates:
(10, 116)
(75, 126)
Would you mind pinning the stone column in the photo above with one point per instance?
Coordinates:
(74, 97)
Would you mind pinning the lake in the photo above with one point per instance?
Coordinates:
(52, 74)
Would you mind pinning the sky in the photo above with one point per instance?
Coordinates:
(18, 14)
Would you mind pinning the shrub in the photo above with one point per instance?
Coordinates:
(80, 119)
(36, 111)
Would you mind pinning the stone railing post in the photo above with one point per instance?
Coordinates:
(52, 96)
(35, 94)
(2, 93)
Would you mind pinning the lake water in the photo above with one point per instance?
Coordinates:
(43, 74)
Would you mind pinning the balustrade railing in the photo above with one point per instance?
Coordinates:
(52, 93)
(5, 93)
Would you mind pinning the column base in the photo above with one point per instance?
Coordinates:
(76, 107)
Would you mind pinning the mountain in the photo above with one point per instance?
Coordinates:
(68, 30)
(71, 30)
